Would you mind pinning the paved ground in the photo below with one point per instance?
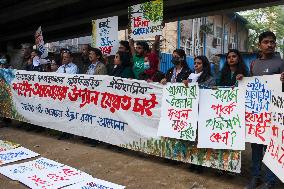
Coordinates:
(128, 168)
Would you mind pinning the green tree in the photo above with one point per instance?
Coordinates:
(264, 19)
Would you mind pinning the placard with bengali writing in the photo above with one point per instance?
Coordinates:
(15, 171)
(114, 110)
(274, 155)
(106, 35)
(146, 19)
(258, 95)
(94, 183)
(221, 119)
(16, 154)
(180, 112)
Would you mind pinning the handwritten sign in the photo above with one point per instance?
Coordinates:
(16, 155)
(94, 183)
(105, 35)
(221, 119)
(274, 155)
(40, 43)
(146, 19)
(15, 171)
(6, 145)
(179, 115)
(258, 95)
(114, 110)
(52, 178)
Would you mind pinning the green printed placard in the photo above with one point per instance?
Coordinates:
(146, 19)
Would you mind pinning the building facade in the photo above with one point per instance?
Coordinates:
(200, 36)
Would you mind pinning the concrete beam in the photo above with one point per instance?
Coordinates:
(173, 9)
(31, 7)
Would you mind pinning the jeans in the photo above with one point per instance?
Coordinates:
(258, 151)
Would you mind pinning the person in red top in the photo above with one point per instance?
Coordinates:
(143, 68)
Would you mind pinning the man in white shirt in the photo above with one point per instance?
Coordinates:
(67, 65)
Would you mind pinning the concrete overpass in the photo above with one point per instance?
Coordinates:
(61, 19)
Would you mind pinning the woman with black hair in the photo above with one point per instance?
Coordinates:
(122, 66)
(233, 70)
(180, 71)
(202, 73)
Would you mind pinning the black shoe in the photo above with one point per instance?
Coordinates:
(196, 168)
(93, 142)
(39, 129)
(220, 173)
(254, 183)
(267, 185)
(31, 128)
(64, 136)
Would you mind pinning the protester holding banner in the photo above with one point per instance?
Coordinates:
(122, 66)
(26, 50)
(97, 66)
(34, 62)
(139, 53)
(234, 69)
(202, 73)
(83, 61)
(267, 64)
(151, 62)
(139, 56)
(67, 65)
(124, 46)
(180, 71)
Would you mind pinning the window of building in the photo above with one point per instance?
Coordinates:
(219, 31)
(204, 20)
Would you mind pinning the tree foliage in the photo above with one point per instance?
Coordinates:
(265, 19)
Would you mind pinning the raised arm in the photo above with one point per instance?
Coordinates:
(131, 44)
(156, 44)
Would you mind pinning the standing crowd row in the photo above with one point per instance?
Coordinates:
(142, 62)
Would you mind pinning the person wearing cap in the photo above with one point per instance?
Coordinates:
(67, 65)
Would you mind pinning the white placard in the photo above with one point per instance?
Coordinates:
(106, 35)
(94, 183)
(221, 123)
(15, 171)
(180, 111)
(274, 155)
(52, 178)
(258, 95)
(16, 154)
(146, 19)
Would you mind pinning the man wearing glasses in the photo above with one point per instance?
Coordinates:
(67, 65)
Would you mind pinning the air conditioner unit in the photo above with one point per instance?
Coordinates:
(232, 46)
(219, 41)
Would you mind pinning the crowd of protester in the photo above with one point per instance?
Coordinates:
(142, 62)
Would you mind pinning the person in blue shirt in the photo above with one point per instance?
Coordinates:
(67, 65)
(97, 66)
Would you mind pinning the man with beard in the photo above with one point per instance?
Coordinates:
(268, 64)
